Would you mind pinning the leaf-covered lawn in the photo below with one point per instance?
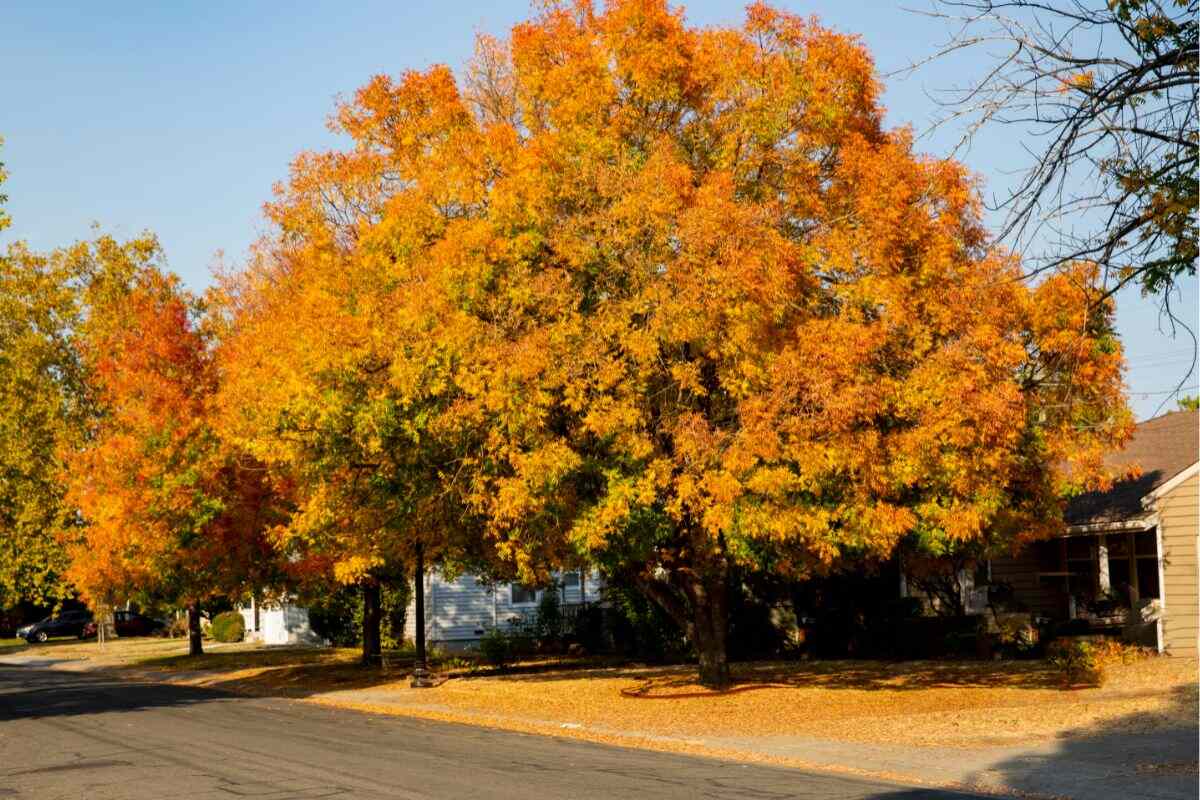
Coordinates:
(918, 703)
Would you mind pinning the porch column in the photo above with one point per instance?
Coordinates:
(1134, 593)
(1102, 564)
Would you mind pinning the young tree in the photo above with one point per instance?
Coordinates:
(674, 301)
(170, 512)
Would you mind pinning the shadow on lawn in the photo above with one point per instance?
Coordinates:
(840, 674)
(299, 674)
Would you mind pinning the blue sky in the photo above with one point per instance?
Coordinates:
(179, 117)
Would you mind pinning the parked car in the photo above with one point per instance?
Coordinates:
(68, 623)
(128, 623)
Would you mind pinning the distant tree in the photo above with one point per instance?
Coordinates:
(5, 220)
(1107, 90)
(169, 511)
(319, 382)
(1189, 403)
(43, 404)
(43, 407)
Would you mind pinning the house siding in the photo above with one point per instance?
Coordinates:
(1179, 523)
(1021, 572)
(461, 610)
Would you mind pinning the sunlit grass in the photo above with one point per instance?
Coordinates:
(9, 646)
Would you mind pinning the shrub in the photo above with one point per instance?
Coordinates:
(1076, 661)
(549, 624)
(337, 616)
(640, 628)
(590, 629)
(178, 629)
(228, 626)
(1017, 638)
(496, 648)
(394, 604)
(1080, 660)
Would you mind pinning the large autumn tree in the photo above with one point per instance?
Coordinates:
(169, 511)
(673, 300)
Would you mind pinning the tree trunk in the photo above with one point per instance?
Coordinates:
(698, 604)
(420, 676)
(710, 631)
(372, 614)
(195, 642)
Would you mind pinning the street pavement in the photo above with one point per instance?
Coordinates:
(77, 735)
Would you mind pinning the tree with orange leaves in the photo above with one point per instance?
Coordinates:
(673, 300)
(169, 511)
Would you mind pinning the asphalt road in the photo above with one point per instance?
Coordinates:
(71, 735)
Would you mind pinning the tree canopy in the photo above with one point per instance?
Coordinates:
(169, 511)
(671, 299)
(43, 407)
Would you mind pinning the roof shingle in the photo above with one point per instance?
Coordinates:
(1162, 447)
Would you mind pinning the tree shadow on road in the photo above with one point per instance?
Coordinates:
(39, 692)
(1145, 754)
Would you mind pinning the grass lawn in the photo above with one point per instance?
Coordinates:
(9, 646)
(122, 652)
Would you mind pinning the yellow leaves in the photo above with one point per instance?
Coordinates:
(353, 569)
(1083, 81)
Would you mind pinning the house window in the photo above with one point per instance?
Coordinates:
(524, 595)
(570, 579)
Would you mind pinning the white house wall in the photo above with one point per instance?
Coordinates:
(462, 610)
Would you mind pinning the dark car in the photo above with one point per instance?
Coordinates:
(128, 623)
(68, 623)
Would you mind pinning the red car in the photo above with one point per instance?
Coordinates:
(128, 623)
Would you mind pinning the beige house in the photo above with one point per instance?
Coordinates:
(1129, 558)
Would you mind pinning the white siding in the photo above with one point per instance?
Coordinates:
(463, 609)
(286, 624)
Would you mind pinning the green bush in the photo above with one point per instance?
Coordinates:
(1076, 660)
(337, 615)
(228, 626)
(394, 604)
(549, 625)
(496, 647)
(640, 628)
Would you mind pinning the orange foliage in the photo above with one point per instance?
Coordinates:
(669, 298)
(169, 512)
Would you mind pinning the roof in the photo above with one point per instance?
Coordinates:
(1162, 447)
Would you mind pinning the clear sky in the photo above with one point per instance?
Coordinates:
(178, 117)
